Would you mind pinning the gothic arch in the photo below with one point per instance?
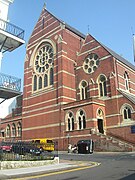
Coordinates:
(69, 120)
(100, 120)
(83, 86)
(38, 45)
(81, 119)
(126, 111)
(102, 85)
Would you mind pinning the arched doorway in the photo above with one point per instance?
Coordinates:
(100, 121)
(100, 125)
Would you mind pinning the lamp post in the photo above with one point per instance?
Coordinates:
(68, 137)
(68, 142)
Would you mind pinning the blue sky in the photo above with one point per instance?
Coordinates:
(111, 22)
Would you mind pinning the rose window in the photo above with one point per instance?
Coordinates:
(91, 63)
(43, 59)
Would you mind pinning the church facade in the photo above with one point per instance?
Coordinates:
(74, 87)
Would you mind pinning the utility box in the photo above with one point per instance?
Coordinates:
(85, 146)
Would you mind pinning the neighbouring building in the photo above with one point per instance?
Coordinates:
(74, 88)
(11, 37)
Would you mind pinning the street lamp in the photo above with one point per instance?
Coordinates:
(68, 142)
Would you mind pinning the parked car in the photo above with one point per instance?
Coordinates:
(6, 146)
(23, 148)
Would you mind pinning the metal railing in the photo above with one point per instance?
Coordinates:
(12, 29)
(10, 82)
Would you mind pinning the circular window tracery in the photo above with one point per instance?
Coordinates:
(44, 59)
(91, 63)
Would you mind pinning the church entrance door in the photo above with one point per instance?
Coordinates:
(100, 126)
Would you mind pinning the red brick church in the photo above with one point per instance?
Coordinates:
(74, 88)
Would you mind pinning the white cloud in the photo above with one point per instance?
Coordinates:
(6, 107)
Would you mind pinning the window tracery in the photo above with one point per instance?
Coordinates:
(43, 67)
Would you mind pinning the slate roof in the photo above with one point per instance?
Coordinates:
(123, 60)
(129, 96)
(114, 54)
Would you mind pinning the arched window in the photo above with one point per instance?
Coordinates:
(102, 86)
(13, 130)
(40, 83)
(126, 79)
(43, 66)
(51, 76)
(35, 83)
(70, 121)
(45, 80)
(127, 113)
(83, 90)
(8, 131)
(100, 120)
(19, 129)
(81, 120)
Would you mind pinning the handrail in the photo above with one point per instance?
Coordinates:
(12, 29)
(10, 82)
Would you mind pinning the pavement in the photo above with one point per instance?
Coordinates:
(23, 172)
(20, 173)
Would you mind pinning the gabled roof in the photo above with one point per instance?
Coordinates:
(75, 31)
(68, 26)
(114, 54)
(123, 60)
(129, 96)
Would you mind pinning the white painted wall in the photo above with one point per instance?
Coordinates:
(4, 5)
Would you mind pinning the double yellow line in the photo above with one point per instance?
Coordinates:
(83, 166)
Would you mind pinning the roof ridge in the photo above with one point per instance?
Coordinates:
(113, 53)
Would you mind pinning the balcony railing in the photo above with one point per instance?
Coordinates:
(12, 29)
(10, 82)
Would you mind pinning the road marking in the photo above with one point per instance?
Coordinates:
(94, 164)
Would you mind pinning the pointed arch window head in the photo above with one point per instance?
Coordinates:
(43, 67)
(127, 113)
(40, 83)
(81, 120)
(69, 121)
(51, 76)
(35, 83)
(126, 79)
(45, 80)
(19, 129)
(100, 113)
(102, 86)
(83, 90)
(13, 130)
(8, 131)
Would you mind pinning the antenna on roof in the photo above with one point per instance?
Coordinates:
(88, 29)
(134, 46)
(133, 43)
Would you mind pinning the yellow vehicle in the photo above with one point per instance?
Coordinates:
(44, 144)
